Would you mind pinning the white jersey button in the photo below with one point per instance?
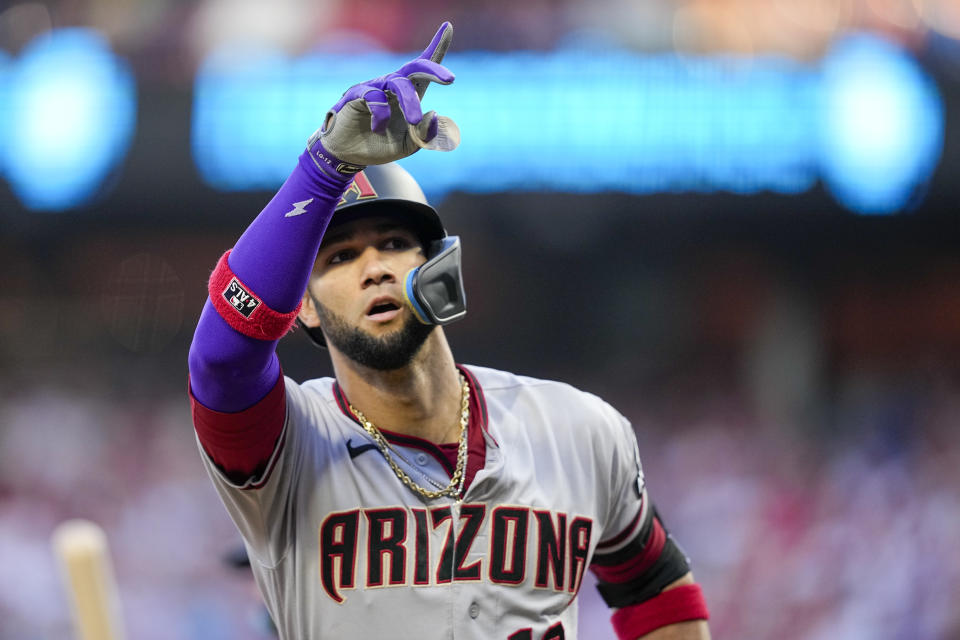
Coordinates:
(421, 459)
(474, 610)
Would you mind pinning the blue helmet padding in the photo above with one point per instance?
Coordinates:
(411, 297)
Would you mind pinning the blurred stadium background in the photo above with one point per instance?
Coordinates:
(737, 220)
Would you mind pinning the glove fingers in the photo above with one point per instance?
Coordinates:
(431, 71)
(407, 98)
(381, 120)
(422, 81)
(427, 128)
(437, 133)
(434, 53)
(353, 93)
(440, 43)
(379, 109)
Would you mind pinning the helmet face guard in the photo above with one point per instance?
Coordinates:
(434, 290)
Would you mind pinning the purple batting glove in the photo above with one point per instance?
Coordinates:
(380, 120)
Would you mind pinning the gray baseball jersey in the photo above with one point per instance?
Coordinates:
(340, 548)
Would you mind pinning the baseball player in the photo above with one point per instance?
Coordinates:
(409, 496)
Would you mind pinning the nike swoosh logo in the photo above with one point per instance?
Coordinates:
(355, 451)
(298, 208)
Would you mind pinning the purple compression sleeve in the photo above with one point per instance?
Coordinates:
(229, 371)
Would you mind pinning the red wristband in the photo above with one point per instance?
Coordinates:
(244, 311)
(674, 605)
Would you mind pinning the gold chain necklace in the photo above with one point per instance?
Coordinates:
(455, 488)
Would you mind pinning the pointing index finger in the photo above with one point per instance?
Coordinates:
(440, 43)
(434, 53)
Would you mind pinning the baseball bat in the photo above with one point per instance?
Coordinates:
(81, 548)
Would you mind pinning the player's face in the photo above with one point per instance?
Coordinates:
(357, 292)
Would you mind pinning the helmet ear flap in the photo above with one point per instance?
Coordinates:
(314, 334)
(434, 290)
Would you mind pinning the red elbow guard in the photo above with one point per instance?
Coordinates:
(244, 311)
(668, 607)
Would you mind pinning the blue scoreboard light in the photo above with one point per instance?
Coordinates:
(881, 127)
(67, 113)
(867, 121)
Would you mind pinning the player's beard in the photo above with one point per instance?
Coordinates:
(390, 352)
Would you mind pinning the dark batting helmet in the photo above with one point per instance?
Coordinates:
(389, 190)
(434, 290)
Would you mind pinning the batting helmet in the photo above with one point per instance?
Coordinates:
(389, 190)
(434, 290)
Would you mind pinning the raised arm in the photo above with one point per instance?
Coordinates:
(230, 369)
(257, 287)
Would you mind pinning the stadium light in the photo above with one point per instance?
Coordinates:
(882, 127)
(70, 116)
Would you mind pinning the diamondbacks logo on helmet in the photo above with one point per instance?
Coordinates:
(359, 189)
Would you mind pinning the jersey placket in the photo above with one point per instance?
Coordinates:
(422, 467)
(469, 610)
(426, 470)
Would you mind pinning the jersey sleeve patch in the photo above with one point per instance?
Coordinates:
(242, 444)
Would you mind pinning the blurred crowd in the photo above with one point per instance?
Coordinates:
(167, 38)
(133, 468)
(849, 534)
